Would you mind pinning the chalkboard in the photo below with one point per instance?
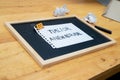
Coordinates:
(42, 51)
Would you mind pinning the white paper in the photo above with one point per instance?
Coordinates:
(62, 35)
(113, 10)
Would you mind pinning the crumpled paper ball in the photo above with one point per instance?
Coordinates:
(61, 11)
(91, 18)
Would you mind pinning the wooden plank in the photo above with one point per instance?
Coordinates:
(81, 68)
(15, 62)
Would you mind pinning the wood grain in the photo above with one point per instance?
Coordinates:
(17, 64)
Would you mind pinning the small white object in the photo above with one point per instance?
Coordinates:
(91, 18)
(61, 11)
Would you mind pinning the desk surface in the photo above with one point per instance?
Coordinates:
(17, 64)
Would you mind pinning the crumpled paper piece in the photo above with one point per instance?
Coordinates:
(91, 18)
(61, 11)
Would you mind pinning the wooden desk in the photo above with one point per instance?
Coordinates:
(17, 64)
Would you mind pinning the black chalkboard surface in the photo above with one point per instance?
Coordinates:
(42, 52)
